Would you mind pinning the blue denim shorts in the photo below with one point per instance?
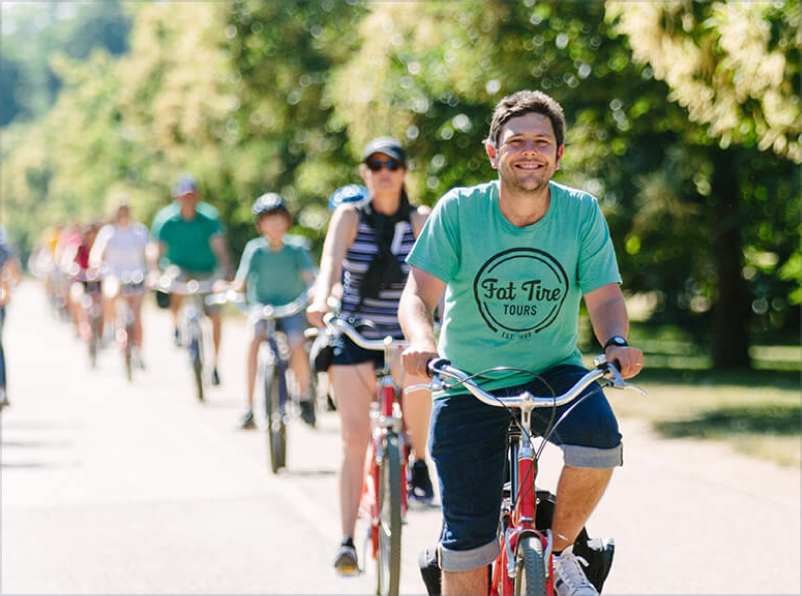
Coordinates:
(468, 441)
(293, 327)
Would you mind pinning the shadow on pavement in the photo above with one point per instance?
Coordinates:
(770, 419)
(36, 444)
(745, 378)
(309, 473)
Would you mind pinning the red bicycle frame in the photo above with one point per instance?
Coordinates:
(389, 416)
(521, 520)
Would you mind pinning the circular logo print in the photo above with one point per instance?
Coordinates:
(520, 290)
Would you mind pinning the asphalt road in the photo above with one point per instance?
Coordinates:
(115, 487)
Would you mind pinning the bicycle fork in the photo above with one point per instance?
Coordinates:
(519, 513)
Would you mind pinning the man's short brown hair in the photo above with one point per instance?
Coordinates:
(521, 103)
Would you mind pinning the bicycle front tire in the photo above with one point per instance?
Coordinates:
(530, 576)
(196, 357)
(276, 431)
(388, 560)
(127, 349)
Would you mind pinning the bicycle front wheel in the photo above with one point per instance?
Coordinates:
(389, 523)
(530, 576)
(276, 429)
(127, 349)
(196, 357)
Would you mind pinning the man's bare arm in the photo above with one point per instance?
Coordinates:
(608, 315)
(415, 313)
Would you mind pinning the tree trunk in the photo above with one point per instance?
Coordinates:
(732, 308)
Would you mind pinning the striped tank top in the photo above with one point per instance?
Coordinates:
(383, 310)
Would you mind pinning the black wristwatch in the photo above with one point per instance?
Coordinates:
(615, 340)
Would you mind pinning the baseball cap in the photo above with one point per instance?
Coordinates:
(386, 145)
(184, 185)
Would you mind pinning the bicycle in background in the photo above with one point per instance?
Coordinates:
(190, 325)
(87, 293)
(388, 456)
(524, 566)
(121, 289)
(281, 393)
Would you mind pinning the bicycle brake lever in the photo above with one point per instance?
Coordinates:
(617, 382)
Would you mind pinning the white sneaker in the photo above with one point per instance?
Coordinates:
(569, 577)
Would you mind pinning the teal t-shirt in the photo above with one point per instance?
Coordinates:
(513, 294)
(188, 241)
(274, 276)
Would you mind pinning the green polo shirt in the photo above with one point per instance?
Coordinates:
(188, 241)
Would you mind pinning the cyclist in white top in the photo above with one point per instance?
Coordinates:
(119, 254)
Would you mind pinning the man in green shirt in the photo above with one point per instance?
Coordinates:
(188, 234)
(515, 257)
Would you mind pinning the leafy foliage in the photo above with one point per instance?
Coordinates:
(692, 150)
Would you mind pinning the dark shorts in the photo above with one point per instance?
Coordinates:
(468, 441)
(346, 352)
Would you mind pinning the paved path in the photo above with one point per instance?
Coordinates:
(111, 487)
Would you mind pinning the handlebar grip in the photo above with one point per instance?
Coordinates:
(435, 364)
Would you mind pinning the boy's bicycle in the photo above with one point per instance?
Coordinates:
(190, 319)
(524, 566)
(274, 363)
(388, 454)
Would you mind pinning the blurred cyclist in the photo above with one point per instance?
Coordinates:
(119, 254)
(10, 275)
(275, 269)
(189, 235)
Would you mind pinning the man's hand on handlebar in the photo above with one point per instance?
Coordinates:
(629, 359)
(415, 359)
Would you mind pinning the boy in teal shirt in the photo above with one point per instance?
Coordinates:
(276, 269)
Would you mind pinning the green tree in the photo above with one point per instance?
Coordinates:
(33, 32)
(736, 67)
(680, 205)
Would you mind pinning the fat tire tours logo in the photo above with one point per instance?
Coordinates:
(520, 291)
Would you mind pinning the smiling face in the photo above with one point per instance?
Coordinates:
(527, 155)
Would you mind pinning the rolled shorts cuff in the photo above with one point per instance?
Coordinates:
(467, 560)
(593, 457)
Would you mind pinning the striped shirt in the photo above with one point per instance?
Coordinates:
(382, 311)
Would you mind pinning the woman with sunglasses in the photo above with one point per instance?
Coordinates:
(366, 247)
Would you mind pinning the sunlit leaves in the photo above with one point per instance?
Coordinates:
(734, 65)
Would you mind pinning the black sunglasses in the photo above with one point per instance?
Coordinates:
(376, 164)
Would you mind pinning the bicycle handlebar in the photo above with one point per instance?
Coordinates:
(603, 370)
(336, 324)
(263, 311)
(184, 288)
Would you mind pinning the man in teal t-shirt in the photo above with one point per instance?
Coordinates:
(188, 234)
(514, 257)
